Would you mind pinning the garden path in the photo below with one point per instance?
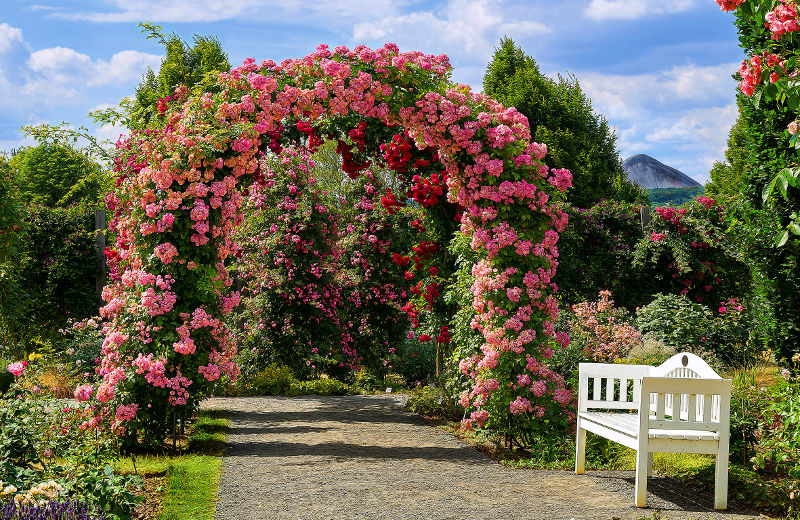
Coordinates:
(365, 457)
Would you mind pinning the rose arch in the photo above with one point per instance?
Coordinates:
(180, 192)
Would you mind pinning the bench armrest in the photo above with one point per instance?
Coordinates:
(675, 403)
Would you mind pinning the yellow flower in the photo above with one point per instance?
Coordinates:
(8, 490)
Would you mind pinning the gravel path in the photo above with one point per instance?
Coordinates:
(364, 457)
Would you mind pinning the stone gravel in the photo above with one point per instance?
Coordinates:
(365, 457)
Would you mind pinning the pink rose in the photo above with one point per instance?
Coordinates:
(83, 392)
(17, 368)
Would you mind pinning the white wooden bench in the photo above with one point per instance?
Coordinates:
(681, 406)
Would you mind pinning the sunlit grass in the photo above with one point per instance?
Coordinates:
(191, 479)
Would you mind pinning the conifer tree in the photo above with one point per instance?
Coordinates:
(561, 116)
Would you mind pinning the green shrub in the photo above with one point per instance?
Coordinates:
(729, 335)
(320, 387)
(780, 443)
(650, 352)
(417, 361)
(57, 272)
(393, 381)
(674, 320)
(274, 380)
(366, 380)
(431, 401)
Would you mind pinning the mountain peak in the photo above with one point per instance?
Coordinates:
(651, 173)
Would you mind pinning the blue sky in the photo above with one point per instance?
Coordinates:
(660, 72)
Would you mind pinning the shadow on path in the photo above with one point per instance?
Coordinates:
(343, 451)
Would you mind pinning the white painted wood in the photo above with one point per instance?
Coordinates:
(580, 449)
(681, 406)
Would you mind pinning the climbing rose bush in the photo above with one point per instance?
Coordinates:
(180, 198)
(321, 292)
(689, 248)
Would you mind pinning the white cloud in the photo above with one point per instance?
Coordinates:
(681, 115)
(186, 11)
(33, 82)
(633, 9)
(469, 27)
(626, 96)
(67, 67)
(123, 66)
(110, 132)
(8, 37)
(699, 125)
(166, 11)
(59, 64)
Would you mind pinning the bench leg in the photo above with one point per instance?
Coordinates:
(650, 464)
(641, 475)
(721, 480)
(580, 449)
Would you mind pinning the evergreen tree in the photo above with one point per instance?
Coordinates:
(758, 149)
(729, 178)
(561, 116)
(194, 66)
(57, 175)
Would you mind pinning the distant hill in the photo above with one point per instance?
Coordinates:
(650, 173)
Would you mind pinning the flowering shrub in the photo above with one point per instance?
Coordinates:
(83, 341)
(50, 451)
(179, 199)
(48, 510)
(322, 292)
(373, 290)
(769, 75)
(688, 253)
(603, 330)
(289, 310)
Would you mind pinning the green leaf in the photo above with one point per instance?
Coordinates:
(782, 239)
(783, 183)
(794, 227)
(794, 102)
(768, 190)
(770, 91)
(757, 99)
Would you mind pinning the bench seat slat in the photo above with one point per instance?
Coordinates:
(628, 424)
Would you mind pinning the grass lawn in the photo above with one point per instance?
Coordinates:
(185, 484)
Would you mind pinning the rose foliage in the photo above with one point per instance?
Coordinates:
(771, 74)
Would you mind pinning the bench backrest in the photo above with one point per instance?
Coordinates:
(685, 365)
(619, 387)
(699, 405)
(615, 387)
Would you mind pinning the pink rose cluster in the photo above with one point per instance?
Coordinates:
(782, 19)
